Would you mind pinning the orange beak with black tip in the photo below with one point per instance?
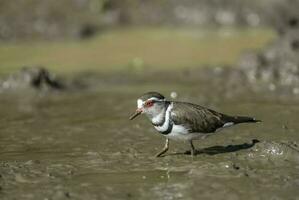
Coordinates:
(137, 112)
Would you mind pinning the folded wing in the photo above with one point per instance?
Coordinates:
(196, 118)
(203, 120)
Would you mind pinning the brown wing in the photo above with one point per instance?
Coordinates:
(196, 118)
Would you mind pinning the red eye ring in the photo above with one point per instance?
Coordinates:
(149, 103)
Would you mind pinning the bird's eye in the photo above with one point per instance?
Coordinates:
(149, 103)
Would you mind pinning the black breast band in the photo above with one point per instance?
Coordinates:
(169, 128)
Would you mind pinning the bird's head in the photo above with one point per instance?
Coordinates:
(150, 103)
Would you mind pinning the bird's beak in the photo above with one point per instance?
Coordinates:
(137, 112)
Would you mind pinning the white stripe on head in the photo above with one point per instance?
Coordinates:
(139, 103)
(153, 98)
(156, 99)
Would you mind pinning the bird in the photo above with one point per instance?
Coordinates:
(183, 121)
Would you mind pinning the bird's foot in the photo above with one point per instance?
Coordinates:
(164, 150)
(161, 153)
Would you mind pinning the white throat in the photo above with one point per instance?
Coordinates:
(158, 118)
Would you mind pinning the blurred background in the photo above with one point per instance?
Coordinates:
(71, 71)
(259, 39)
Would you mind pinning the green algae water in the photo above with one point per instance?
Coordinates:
(136, 49)
(81, 145)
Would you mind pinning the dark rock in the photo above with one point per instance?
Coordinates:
(293, 22)
(87, 31)
(67, 194)
(32, 77)
(236, 167)
(43, 77)
(295, 45)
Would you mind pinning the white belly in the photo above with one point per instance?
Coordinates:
(181, 133)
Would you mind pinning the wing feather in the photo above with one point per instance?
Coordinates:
(196, 118)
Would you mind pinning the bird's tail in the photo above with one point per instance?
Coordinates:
(241, 119)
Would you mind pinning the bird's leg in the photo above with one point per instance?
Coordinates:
(193, 150)
(166, 147)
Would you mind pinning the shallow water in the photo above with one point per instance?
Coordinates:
(81, 145)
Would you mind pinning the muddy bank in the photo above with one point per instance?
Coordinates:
(226, 82)
(43, 80)
(81, 145)
(259, 172)
(276, 68)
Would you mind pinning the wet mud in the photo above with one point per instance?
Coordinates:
(81, 145)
